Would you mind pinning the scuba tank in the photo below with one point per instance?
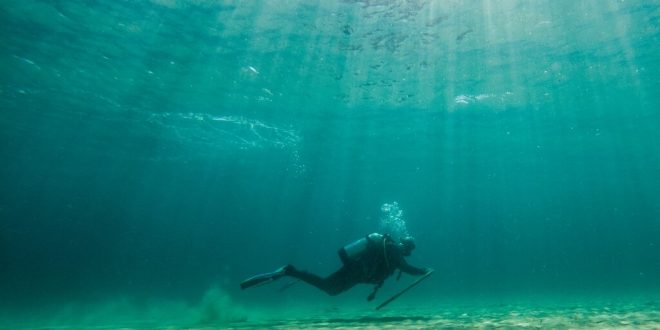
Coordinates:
(352, 252)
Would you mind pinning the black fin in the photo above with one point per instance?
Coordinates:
(262, 279)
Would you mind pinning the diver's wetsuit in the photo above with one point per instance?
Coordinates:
(377, 263)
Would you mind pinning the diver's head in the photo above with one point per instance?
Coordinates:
(407, 244)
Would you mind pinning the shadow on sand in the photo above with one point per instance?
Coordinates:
(376, 319)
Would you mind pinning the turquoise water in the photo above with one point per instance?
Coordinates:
(156, 153)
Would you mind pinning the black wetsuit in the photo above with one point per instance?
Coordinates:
(377, 263)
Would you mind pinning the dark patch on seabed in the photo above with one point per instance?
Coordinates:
(376, 319)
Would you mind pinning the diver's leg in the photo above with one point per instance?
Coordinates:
(342, 280)
(334, 284)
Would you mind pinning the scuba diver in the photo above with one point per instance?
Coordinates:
(369, 260)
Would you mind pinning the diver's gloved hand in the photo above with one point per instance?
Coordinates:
(373, 293)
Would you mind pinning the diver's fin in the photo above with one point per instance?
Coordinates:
(262, 279)
(256, 280)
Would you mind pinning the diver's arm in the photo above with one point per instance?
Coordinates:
(407, 268)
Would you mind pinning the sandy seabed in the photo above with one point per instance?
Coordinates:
(644, 316)
(637, 315)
